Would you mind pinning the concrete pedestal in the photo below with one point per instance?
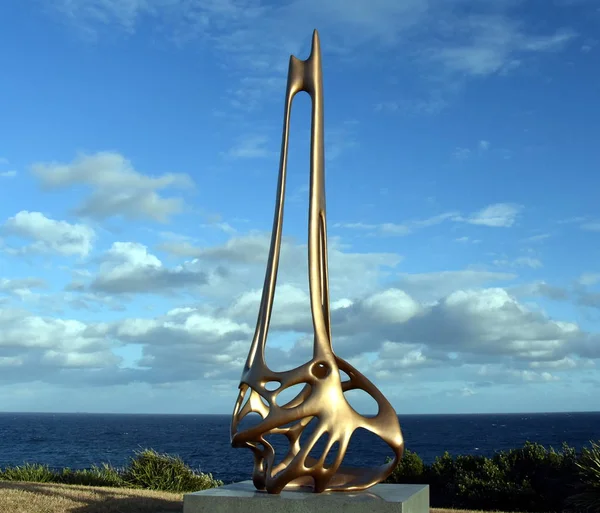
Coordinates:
(244, 498)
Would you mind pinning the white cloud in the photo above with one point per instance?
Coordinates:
(8, 174)
(243, 249)
(462, 153)
(498, 374)
(239, 265)
(49, 235)
(538, 238)
(391, 306)
(588, 45)
(249, 147)
(399, 229)
(483, 334)
(497, 215)
(563, 363)
(431, 286)
(540, 289)
(21, 287)
(291, 311)
(187, 344)
(466, 239)
(39, 348)
(117, 188)
(482, 147)
(485, 327)
(532, 263)
(492, 44)
(105, 12)
(589, 278)
(127, 267)
(491, 322)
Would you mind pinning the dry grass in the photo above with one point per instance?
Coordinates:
(442, 510)
(18, 497)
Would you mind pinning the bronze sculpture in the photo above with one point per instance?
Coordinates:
(322, 396)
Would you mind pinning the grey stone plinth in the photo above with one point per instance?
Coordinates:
(244, 498)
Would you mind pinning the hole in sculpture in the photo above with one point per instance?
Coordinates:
(308, 431)
(344, 376)
(271, 386)
(331, 455)
(317, 451)
(264, 401)
(281, 446)
(362, 402)
(296, 296)
(244, 398)
(287, 398)
(366, 449)
(249, 421)
(321, 370)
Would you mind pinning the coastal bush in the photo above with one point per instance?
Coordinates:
(409, 469)
(28, 472)
(147, 469)
(104, 475)
(153, 471)
(470, 482)
(550, 475)
(530, 478)
(587, 498)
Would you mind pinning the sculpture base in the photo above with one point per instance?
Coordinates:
(244, 498)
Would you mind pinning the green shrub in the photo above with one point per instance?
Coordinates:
(409, 469)
(147, 469)
(546, 475)
(589, 465)
(588, 469)
(472, 482)
(151, 470)
(28, 472)
(530, 478)
(104, 475)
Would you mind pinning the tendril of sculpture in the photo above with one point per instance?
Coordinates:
(322, 396)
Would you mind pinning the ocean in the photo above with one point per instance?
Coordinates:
(81, 440)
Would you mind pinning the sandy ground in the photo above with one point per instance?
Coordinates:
(16, 497)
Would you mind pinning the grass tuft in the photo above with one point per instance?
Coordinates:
(28, 472)
(148, 470)
(104, 475)
(153, 471)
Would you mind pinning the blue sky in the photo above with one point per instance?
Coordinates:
(139, 147)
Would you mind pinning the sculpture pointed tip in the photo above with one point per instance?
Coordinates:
(316, 43)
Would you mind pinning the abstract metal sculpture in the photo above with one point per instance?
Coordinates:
(322, 397)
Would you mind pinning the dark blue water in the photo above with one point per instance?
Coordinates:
(82, 440)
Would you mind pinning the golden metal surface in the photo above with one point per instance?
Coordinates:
(322, 396)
